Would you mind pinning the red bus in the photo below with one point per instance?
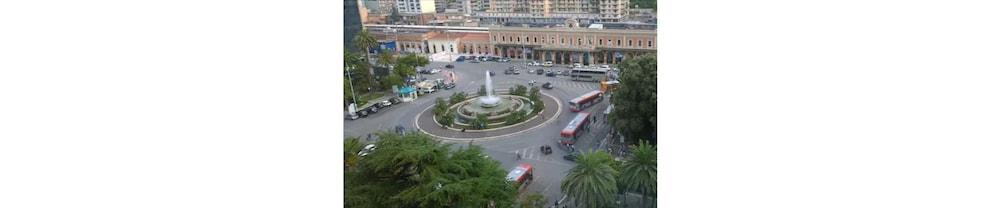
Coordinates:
(574, 127)
(522, 174)
(586, 100)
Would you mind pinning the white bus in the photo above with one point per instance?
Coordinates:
(588, 75)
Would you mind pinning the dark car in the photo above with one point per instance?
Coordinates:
(540, 72)
(460, 59)
(449, 86)
(508, 71)
(395, 100)
(550, 73)
(571, 156)
(474, 61)
(493, 73)
(449, 66)
(547, 85)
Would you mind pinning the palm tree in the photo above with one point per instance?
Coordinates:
(365, 41)
(639, 171)
(592, 182)
(351, 148)
(385, 58)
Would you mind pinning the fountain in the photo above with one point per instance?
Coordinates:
(489, 100)
(495, 107)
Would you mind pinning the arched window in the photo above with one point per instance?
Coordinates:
(536, 39)
(562, 41)
(619, 42)
(650, 44)
(579, 41)
(600, 42)
(518, 39)
(630, 43)
(504, 38)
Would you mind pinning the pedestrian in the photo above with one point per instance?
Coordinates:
(369, 137)
(463, 129)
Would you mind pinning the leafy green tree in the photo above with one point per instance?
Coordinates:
(446, 119)
(634, 115)
(480, 122)
(404, 70)
(360, 71)
(392, 79)
(413, 170)
(515, 117)
(457, 97)
(440, 106)
(534, 200)
(591, 182)
(639, 171)
(646, 4)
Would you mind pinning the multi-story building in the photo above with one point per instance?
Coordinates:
(380, 7)
(587, 46)
(572, 45)
(352, 22)
(541, 11)
(415, 6)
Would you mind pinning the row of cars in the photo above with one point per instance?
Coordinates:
(372, 108)
(477, 59)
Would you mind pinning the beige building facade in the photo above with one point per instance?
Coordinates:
(572, 45)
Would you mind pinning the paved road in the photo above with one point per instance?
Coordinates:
(549, 169)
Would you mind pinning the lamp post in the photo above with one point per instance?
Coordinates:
(351, 82)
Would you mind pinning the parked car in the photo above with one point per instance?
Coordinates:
(493, 73)
(449, 86)
(395, 100)
(547, 85)
(460, 59)
(517, 71)
(434, 71)
(474, 61)
(540, 72)
(385, 103)
(534, 63)
(547, 64)
(367, 149)
(577, 65)
(550, 73)
(505, 60)
(449, 66)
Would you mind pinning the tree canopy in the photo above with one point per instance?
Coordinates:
(635, 99)
(592, 182)
(412, 170)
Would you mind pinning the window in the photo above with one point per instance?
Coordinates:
(619, 42)
(579, 41)
(518, 39)
(630, 43)
(562, 41)
(600, 42)
(504, 38)
(536, 39)
(650, 44)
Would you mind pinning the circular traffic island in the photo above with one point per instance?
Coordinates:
(487, 117)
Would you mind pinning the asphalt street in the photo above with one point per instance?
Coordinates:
(549, 169)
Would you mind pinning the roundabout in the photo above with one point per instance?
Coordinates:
(427, 123)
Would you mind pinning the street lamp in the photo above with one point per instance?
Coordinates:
(351, 81)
